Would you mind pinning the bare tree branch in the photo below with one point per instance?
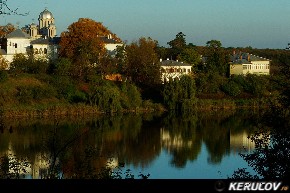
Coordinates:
(6, 10)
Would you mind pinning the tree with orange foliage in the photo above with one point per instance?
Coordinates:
(4, 30)
(82, 43)
(3, 63)
(84, 36)
(142, 64)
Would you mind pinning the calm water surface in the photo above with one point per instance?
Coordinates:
(203, 145)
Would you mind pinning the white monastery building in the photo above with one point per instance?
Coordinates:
(41, 39)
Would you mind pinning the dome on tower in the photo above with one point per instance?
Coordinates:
(45, 14)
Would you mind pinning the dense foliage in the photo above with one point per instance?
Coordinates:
(179, 94)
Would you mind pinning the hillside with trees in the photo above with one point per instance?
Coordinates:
(77, 78)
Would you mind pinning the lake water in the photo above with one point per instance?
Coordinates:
(203, 145)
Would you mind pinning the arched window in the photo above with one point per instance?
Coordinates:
(35, 51)
(45, 51)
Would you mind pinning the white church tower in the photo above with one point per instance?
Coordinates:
(46, 24)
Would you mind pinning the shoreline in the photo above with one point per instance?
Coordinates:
(58, 111)
(83, 110)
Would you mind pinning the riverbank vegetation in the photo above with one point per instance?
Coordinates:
(85, 78)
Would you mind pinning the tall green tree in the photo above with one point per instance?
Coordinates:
(216, 58)
(284, 61)
(179, 94)
(177, 45)
(189, 55)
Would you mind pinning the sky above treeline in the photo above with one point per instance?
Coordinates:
(236, 23)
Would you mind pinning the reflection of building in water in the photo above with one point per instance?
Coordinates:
(36, 168)
(239, 142)
(112, 163)
(173, 142)
(40, 166)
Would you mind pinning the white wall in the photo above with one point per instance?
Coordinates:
(22, 45)
(112, 47)
(256, 67)
(173, 72)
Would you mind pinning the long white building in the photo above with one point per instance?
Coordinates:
(171, 69)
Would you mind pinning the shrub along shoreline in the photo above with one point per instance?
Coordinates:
(69, 110)
(84, 110)
(28, 95)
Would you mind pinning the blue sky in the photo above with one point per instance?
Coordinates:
(236, 23)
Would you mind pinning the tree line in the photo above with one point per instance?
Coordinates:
(78, 74)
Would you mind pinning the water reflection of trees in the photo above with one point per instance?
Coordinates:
(217, 127)
(181, 138)
(271, 157)
(216, 136)
(81, 148)
(183, 135)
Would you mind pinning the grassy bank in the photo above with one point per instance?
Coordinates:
(83, 110)
(68, 110)
(213, 104)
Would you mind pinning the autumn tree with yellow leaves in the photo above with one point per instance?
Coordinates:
(142, 63)
(3, 63)
(82, 43)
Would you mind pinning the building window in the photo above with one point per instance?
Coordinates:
(188, 70)
(15, 45)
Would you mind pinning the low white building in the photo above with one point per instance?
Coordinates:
(41, 39)
(16, 42)
(111, 45)
(171, 69)
(245, 63)
(44, 48)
